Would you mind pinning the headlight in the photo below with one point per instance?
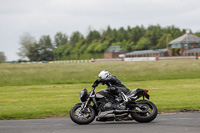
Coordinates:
(84, 95)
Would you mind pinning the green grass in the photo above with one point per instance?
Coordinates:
(50, 90)
(71, 73)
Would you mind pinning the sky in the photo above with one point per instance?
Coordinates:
(47, 17)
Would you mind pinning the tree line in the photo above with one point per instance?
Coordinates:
(93, 45)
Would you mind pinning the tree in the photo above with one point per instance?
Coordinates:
(77, 46)
(130, 46)
(127, 45)
(60, 39)
(96, 43)
(45, 48)
(62, 51)
(136, 33)
(93, 35)
(101, 47)
(33, 54)
(75, 37)
(29, 47)
(174, 31)
(116, 44)
(143, 44)
(153, 33)
(91, 47)
(107, 33)
(122, 34)
(164, 40)
(2, 57)
(76, 49)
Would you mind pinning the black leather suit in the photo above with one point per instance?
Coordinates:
(114, 86)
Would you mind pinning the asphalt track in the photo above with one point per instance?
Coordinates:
(164, 123)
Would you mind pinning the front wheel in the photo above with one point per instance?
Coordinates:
(80, 116)
(148, 116)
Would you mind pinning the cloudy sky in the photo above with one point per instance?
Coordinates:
(47, 17)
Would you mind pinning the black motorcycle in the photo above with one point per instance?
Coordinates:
(112, 108)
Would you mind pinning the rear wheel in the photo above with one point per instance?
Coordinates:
(150, 112)
(80, 116)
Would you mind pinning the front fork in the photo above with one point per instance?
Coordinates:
(85, 105)
(91, 98)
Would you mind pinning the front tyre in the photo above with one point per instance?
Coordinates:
(148, 116)
(80, 116)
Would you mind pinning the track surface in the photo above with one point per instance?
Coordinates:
(164, 123)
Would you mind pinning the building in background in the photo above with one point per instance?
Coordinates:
(114, 52)
(185, 45)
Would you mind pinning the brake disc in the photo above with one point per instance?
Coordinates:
(82, 115)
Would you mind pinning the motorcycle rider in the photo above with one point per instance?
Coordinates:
(114, 85)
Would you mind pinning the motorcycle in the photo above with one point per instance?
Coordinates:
(109, 108)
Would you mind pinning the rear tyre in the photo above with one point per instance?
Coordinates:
(82, 117)
(149, 116)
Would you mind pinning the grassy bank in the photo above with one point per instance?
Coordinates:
(72, 73)
(43, 90)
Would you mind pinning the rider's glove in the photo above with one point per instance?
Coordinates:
(96, 83)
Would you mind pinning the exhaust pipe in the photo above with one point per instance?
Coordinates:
(112, 113)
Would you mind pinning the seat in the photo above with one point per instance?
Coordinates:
(132, 93)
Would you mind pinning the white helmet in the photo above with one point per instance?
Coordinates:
(104, 74)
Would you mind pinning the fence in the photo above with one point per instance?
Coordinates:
(61, 61)
(119, 59)
(71, 61)
(141, 59)
(178, 58)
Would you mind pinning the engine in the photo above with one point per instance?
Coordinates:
(107, 105)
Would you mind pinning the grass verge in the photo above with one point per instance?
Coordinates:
(42, 101)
